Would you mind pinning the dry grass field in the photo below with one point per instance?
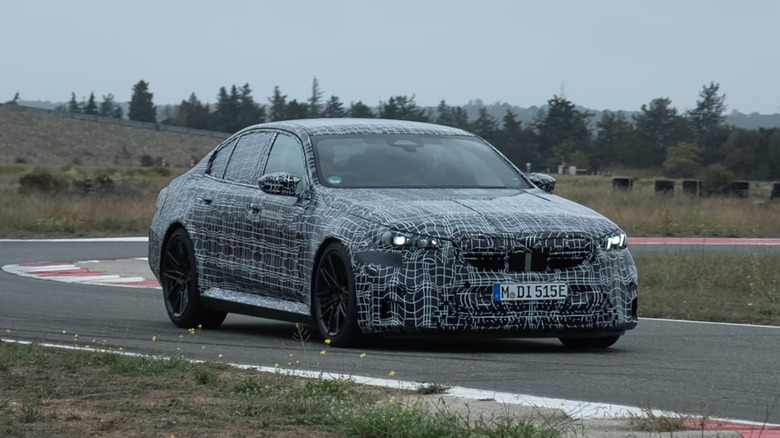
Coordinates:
(127, 206)
(642, 212)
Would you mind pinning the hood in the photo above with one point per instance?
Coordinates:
(456, 213)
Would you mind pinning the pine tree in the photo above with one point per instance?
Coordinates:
(454, 116)
(226, 110)
(360, 110)
(614, 140)
(658, 127)
(278, 109)
(192, 113)
(315, 101)
(485, 126)
(109, 108)
(15, 100)
(91, 106)
(402, 108)
(708, 122)
(297, 110)
(141, 107)
(334, 108)
(516, 143)
(74, 107)
(249, 111)
(562, 130)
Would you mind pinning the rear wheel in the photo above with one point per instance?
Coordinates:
(600, 342)
(179, 281)
(333, 297)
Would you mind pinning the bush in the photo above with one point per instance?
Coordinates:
(43, 181)
(716, 179)
(147, 161)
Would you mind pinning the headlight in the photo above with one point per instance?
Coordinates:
(615, 241)
(401, 240)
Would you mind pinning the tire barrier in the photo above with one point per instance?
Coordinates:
(739, 189)
(664, 186)
(692, 187)
(622, 183)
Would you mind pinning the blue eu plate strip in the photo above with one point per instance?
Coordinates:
(497, 292)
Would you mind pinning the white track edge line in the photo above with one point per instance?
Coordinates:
(85, 239)
(573, 408)
(733, 324)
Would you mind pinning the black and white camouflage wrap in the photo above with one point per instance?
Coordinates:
(259, 248)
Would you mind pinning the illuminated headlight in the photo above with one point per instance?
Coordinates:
(398, 240)
(615, 241)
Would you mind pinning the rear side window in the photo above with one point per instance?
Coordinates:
(244, 164)
(220, 159)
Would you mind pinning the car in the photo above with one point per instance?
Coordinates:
(394, 228)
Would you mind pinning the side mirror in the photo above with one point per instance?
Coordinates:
(280, 183)
(543, 181)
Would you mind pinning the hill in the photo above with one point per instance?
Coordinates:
(41, 137)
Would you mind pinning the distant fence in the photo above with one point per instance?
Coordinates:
(115, 121)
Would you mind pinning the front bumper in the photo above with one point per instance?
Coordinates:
(420, 291)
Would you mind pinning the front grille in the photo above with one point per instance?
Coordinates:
(541, 254)
(486, 261)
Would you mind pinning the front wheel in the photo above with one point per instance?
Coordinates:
(333, 297)
(600, 342)
(179, 281)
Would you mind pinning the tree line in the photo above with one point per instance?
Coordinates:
(685, 145)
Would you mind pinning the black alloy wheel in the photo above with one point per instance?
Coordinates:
(334, 300)
(600, 342)
(179, 281)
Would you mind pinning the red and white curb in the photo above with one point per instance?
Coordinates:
(79, 272)
(703, 241)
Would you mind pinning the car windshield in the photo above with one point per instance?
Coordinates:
(412, 161)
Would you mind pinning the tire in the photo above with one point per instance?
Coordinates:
(179, 281)
(601, 342)
(334, 304)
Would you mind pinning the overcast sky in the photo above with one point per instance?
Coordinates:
(599, 54)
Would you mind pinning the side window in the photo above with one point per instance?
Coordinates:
(286, 156)
(244, 164)
(220, 160)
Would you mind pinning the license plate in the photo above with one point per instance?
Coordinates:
(530, 292)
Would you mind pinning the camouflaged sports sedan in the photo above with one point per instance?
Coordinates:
(386, 227)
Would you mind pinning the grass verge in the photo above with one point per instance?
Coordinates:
(742, 288)
(49, 392)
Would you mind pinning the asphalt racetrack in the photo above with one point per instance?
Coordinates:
(725, 370)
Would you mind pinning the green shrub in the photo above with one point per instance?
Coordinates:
(43, 181)
(716, 179)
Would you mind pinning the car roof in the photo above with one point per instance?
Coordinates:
(318, 127)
